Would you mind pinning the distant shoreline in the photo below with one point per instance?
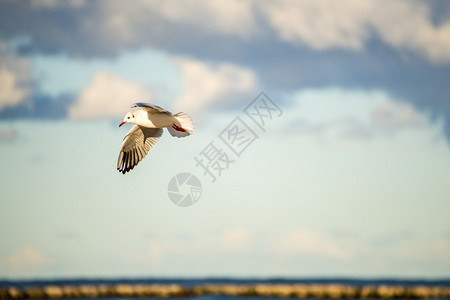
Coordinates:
(298, 290)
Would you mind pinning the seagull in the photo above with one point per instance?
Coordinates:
(149, 122)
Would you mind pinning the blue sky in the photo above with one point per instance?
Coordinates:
(351, 179)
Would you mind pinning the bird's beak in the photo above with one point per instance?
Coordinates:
(122, 123)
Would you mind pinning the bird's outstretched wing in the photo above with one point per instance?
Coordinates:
(150, 108)
(136, 145)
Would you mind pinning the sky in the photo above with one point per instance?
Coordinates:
(348, 175)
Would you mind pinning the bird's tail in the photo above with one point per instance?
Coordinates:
(182, 125)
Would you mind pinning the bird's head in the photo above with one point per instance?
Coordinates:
(129, 118)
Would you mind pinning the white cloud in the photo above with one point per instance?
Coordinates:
(319, 24)
(108, 96)
(226, 17)
(311, 243)
(14, 77)
(24, 259)
(10, 92)
(360, 256)
(160, 251)
(437, 248)
(348, 24)
(408, 25)
(230, 240)
(232, 17)
(237, 240)
(50, 4)
(393, 114)
(7, 134)
(203, 84)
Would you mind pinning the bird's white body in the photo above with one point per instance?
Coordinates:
(149, 120)
(142, 118)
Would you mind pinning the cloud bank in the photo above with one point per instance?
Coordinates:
(400, 47)
(117, 26)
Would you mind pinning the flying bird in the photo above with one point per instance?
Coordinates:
(149, 121)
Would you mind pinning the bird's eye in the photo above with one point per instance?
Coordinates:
(128, 117)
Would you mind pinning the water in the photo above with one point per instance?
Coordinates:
(185, 282)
